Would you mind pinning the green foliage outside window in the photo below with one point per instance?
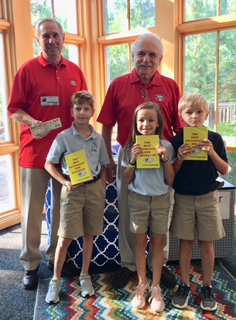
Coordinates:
(231, 177)
(120, 19)
(43, 9)
(200, 75)
(202, 9)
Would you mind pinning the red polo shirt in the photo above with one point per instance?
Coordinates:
(125, 94)
(35, 79)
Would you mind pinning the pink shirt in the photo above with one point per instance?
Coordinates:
(125, 94)
(38, 78)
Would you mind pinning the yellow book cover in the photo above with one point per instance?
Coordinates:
(149, 159)
(78, 166)
(193, 136)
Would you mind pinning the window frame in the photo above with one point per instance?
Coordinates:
(11, 148)
(214, 24)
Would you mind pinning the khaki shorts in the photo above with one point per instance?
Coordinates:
(149, 211)
(197, 217)
(82, 210)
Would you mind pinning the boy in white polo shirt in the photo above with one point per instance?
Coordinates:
(82, 205)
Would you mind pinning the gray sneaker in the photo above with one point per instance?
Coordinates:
(87, 289)
(180, 299)
(53, 291)
(208, 299)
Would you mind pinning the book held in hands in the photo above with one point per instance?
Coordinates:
(78, 166)
(149, 159)
(193, 137)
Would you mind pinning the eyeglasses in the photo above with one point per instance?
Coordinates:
(145, 95)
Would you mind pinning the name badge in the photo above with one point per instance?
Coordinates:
(49, 101)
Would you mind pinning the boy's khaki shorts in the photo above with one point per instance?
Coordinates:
(197, 217)
(82, 210)
(149, 211)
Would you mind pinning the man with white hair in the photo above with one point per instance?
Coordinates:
(124, 94)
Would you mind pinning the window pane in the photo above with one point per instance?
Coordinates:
(40, 9)
(200, 9)
(230, 177)
(226, 94)
(65, 13)
(71, 53)
(62, 10)
(7, 188)
(201, 53)
(119, 18)
(142, 14)
(227, 7)
(117, 58)
(36, 48)
(116, 16)
(200, 68)
(200, 64)
(4, 120)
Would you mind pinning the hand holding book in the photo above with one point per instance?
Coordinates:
(206, 145)
(149, 158)
(194, 141)
(79, 167)
(162, 151)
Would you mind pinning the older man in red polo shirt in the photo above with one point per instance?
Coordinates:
(125, 93)
(41, 91)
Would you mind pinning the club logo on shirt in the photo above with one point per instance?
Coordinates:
(94, 147)
(160, 97)
(73, 83)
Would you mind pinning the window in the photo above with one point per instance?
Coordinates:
(118, 58)
(41, 9)
(7, 197)
(209, 65)
(124, 15)
(207, 34)
(4, 120)
(202, 9)
(62, 10)
(123, 18)
(7, 186)
(9, 214)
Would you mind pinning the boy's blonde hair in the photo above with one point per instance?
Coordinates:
(81, 97)
(193, 99)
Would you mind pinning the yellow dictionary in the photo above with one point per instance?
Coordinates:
(193, 136)
(78, 166)
(149, 159)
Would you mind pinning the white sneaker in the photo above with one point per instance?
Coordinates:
(140, 294)
(53, 291)
(156, 299)
(87, 289)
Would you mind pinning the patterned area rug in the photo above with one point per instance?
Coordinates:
(110, 304)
